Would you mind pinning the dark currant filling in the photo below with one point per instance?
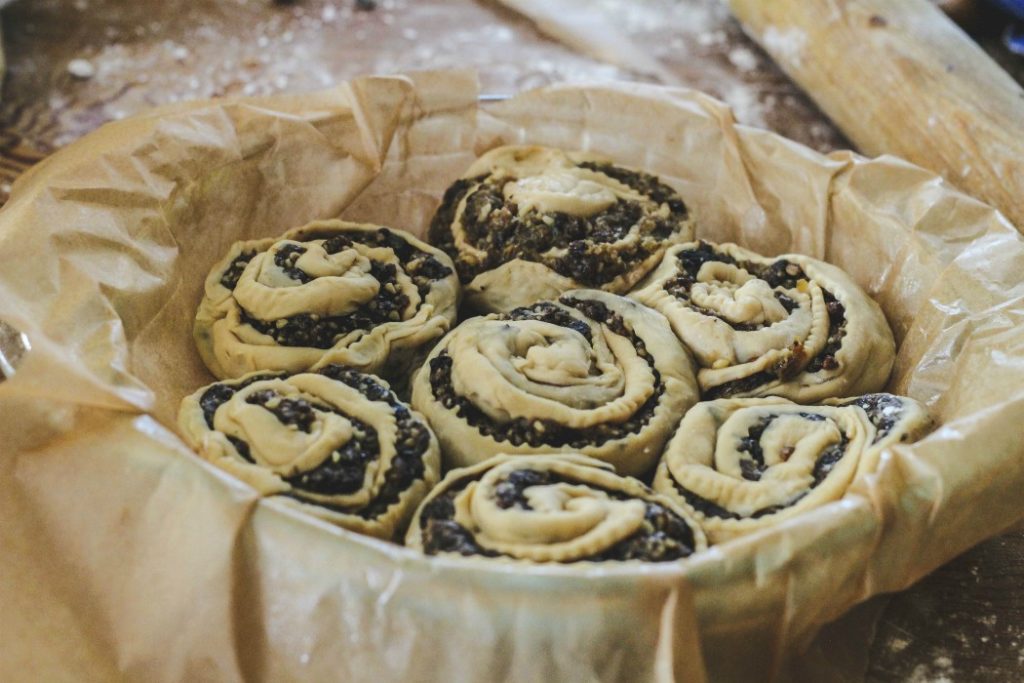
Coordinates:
(321, 332)
(663, 537)
(439, 233)
(884, 411)
(285, 258)
(644, 183)
(543, 432)
(344, 471)
(220, 393)
(739, 386)
(753, 468)
(230, 277)
(780, 274)
(411, 442)
(826, 358)
(592, 257)
(550, 313)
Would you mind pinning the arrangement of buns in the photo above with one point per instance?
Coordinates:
(614, 390)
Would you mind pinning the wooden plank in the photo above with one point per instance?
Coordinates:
(154, 52)
(965, 622)
(899, 77)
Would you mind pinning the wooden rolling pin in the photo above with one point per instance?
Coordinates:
(899, 77)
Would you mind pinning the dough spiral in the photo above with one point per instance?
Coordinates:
(745, 463)
(593, 373)
(789, 326)
(335, 443)
(329, 292)
(551, 508)
(528, 223)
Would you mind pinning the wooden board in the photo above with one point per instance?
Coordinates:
(898, 77)
(965, 622)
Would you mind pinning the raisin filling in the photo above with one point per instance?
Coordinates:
(285, 259)
(389, 305)
(219, 394)
(753, 467)
(543, 432)
(826, 358)
(234, 271)
(780, 274)
(344, 471)
(591, 250)
(664, 536)
(884, 410)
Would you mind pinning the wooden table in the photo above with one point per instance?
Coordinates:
(963, 623)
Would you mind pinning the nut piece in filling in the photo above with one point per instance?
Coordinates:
(592, 373)
(551, 508)
(528, 223)
(335, 443)
(330, 292)
(743, 464)
(788, 326)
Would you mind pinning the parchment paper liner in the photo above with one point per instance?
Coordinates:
(126, 557)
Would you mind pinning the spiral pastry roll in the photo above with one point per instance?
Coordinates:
(335, 443)
(329, 292)
(551, 508)
(528, 223)
(593, 373)
(790, 326)
(742, 464)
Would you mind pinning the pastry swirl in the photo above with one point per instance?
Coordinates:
(329, 292)
(593, 373)
(742, 464)
(551, 508)
(525, 224)
(789, 326)
(335, 443)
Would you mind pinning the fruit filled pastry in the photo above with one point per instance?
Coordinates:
(335, 443)
(592, 372)
(743, 464)
(551, 508)
(528, 223)
(329, 292)
(788, 326)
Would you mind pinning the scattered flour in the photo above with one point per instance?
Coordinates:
(785, 45)
(898, 644)
(941, 670)
(743, 58)
(745, 104)
(81, 68)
